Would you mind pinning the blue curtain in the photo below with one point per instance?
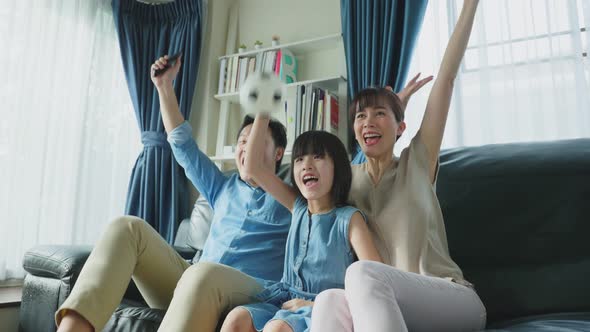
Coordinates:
(158, 189)
(379, 38)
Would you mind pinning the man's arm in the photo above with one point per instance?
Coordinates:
(169, 109)
(200, 170)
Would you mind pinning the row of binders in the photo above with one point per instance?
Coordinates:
(234, 70)
(315, 109)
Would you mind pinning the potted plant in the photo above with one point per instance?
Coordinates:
(257, 44)
(242, 48)
(275, 40)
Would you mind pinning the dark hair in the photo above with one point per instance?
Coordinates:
(278, 133)
(323, 143)
(376, 96)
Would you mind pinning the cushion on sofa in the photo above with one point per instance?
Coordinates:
(134, 317)
(563, 322)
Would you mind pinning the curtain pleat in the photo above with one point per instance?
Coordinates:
(158, 191)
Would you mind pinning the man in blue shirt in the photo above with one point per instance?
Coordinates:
(249, 227)
(246, 242)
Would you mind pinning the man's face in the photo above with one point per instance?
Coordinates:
(271, 154)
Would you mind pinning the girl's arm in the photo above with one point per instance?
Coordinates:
(437, 108)
(254, 168)
(361, 240)
(171, 116)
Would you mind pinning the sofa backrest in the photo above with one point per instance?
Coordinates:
(518, 223)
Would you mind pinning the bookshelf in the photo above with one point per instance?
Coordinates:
(299, 47)
(331, 84)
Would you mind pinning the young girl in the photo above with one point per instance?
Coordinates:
(325, 234)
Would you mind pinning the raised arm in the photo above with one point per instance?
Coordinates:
(437, 107)
(171, 115)
(254, 168)
(412, 87)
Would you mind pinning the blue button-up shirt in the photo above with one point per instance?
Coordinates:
(249, 227)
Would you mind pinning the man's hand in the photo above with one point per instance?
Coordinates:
(410, 88)
(295, 304)
(166, 77)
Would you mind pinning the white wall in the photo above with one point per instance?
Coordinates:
(291, 20)
(9, 319)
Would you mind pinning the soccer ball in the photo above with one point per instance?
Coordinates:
(262, 93)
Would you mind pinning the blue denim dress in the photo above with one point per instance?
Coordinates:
(317, 254)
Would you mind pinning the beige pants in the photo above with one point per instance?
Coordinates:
(195, 296)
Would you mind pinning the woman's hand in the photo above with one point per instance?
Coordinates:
(165, 78)
(413, 85)
(295, 304)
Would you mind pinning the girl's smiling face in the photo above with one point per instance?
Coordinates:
(314, 176)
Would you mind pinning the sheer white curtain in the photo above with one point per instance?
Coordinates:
(68, 135)
(525, 75)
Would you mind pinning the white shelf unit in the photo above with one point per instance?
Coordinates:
(298, 47)
(335, 83)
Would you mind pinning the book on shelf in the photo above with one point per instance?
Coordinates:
(232, 75)
(234, 70)
(227, 76)
(314, 109)
(277, 64)
(334, 113)
(242, 72)
(320, 110)
(298, 107)
(251, 65)
(222, 76)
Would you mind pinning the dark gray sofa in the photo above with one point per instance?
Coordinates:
(517, 219)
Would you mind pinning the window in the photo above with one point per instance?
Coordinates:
(68, 135)
(524, 76)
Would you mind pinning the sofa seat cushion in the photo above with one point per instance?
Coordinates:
(134, 317)
(564, 322)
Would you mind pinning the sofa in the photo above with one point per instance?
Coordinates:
(517, 218)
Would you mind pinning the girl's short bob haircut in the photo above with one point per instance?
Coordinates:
(317, 142)
(376, 97)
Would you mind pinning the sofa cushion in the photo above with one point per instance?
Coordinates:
(517, 224)
(134, 317)
(193, 231)
(563, 322)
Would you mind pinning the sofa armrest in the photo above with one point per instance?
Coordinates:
(56, 261)
(52, 272)
(60, 261)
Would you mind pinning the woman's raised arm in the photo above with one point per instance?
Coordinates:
(439, 101)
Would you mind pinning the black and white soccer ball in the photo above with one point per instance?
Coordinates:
(262, 93)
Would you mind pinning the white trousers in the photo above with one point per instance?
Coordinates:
(378, 297)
